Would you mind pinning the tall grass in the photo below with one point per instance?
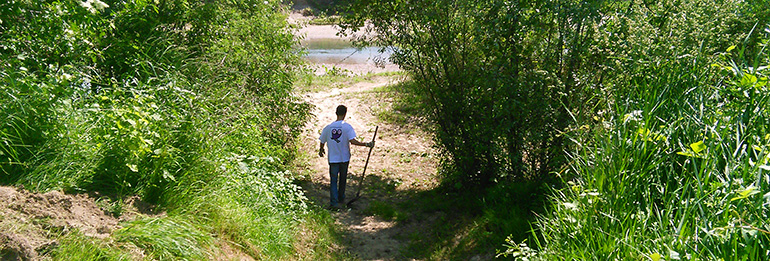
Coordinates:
(677, 168)
(164, 238)
(75, 246)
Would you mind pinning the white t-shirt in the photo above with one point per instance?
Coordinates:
(337, 136)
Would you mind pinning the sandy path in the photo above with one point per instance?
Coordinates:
(402, 162)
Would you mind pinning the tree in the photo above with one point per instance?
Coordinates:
(501, 78)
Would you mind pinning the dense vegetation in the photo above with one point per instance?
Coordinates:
(186, 103)
(646, 121)
(633, 129)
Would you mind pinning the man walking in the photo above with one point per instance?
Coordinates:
(338, 136)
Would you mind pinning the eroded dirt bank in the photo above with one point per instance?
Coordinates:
(32, 223)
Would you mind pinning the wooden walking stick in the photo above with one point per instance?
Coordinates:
(363, 174)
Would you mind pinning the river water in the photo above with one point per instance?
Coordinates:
(341, 53)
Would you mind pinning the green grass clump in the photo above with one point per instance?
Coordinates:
(76, 246)
(174, 237)
(385, 211)
(460, 226)
(255, 208)
(325, 20)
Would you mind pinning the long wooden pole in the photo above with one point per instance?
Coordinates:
(363, 174)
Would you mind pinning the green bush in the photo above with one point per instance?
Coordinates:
(505, 81)
(501, 80)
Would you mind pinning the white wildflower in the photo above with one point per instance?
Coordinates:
(87, 5)
(94, 6)
(99, 5)
(633, 116)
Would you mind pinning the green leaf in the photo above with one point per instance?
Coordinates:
(656, 257)
(762, 82)
(751, 190)
(132, 167)
(731, 48)
(698, 147)
(748, 80)
(683, 153)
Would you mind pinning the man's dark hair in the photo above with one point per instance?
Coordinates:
(342, 110)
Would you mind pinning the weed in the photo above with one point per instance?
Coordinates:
(75, 246)
(167, 237)
(385, 211)
(114, 207)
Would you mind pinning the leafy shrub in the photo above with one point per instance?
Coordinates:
(597, 96)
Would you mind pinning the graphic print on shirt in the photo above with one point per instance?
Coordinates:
(336, 134)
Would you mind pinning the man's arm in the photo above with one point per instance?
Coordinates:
(365, 144)
(321, 150)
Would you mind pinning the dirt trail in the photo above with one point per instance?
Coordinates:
(402, 162)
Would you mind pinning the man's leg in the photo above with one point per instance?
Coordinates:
(334, 169)
(343, 179)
